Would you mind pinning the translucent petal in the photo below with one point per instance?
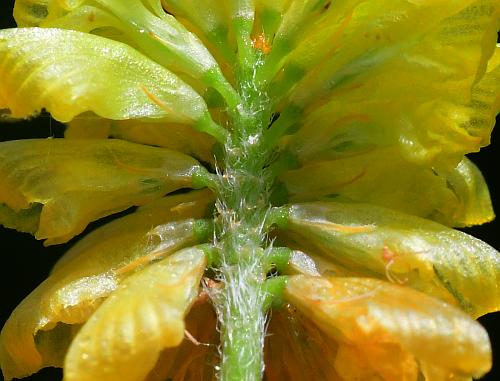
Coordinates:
(87, 274)
(78, 72)
(269, 15)
(452, 195)
(170, 38)
(176, 137)
(467, 183)
(379, 319)
(417, 84)
(342, 23)
(296, 20)
(166, 40)
(91, 19)
(296, 350)
(382, 243)
(173, 136)
(313, 264)
(141, 24)
(143, 317)
(192, 361)
(156, 228)
(106, 176)
(24, 220)
(209, 20)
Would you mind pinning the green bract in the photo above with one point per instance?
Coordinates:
(294, 170)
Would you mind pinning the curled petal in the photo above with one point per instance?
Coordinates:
(177, 137)
(420, 86)
(106, 176)
(377, 319)
(40, 328)
(453, 195)
(140, 319)
(404, 249)
(77, 72)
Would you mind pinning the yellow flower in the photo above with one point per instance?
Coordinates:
(296, 166)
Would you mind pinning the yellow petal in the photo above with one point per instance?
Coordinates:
(124, 337)
(173, 136)
(373, 316)
(41, 327)
(34, 12)
(105, 177)
(313, 264)
(269, 15)
(375, 61)
(468, 184)
(382, 243)
(209, 20)
(88, 19)
(451, 195)
(24, 220)
(176, 137)
(77, 72)
(88, 126)
(159, 227)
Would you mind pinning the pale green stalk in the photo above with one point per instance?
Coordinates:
(243, 205)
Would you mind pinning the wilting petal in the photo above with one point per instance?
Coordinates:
(380, 319)
(379, 242)
(77, 72)
(88, 273)
(143, 317)
(192, 361)
(79, 181)
(455, 196)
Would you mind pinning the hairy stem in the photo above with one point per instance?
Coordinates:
(243, 205)
(242, 318)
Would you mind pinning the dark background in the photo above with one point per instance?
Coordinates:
(25, 262)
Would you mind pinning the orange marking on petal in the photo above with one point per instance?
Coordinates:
(182, 206)
(355, 178)
(157, 101)
(131, 168)
(344, 228)
(141, 261)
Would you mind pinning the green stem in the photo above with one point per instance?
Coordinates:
(242, 318)
(243, 205)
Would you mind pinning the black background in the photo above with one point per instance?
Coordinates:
(24, 262)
